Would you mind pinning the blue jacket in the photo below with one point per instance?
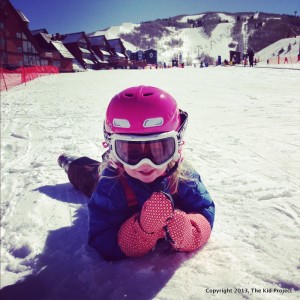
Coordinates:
(108, 208)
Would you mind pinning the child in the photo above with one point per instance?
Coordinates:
(143, 191)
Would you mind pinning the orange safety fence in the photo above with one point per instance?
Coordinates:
(283, 60)
(11, 78)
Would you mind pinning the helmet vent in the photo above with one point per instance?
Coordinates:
(129, 95)
(153, 122)
(147, 94)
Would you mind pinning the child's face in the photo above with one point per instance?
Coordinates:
(145, 172)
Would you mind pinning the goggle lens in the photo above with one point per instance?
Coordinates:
(158, 151)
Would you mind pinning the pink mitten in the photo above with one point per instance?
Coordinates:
(133, 240)
(139, 234)
(188, 232)
(156, 212)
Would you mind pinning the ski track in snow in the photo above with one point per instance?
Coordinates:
(243, 137)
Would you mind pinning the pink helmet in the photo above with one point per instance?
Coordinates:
(142, 110)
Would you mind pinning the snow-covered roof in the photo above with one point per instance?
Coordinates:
(83, 50)
(62, 49)
(87, 61)
(100, 60)
(77, 66)
(47, 37)
(23, 17)
(120, 54)
(105, 52)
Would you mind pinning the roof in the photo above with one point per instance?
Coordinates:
(23, 17)
(37, 31)
(115, 42)
(150, 50)
(97, 40)
(100, 60)
(120, 54)
(62, 49)
(72, 37)
(47, 37)
(104, 52)
(87, 61)
(83, 50)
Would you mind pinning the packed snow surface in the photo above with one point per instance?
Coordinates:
(243, 137)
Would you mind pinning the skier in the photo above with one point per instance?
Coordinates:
(143, 191)
(251, 56)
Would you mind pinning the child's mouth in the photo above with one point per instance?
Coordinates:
(147, 173)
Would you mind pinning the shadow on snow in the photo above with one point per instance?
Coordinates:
(69, 269)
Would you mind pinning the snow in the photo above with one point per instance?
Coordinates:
(195, 41)
(272, 50)
(192, 17)
(115, 31)
(243, 137)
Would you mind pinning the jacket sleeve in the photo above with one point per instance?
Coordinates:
(193, 197)
(107, 212)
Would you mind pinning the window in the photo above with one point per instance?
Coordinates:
(31, 60)
(44, 62)
(87, 56)
(1, 25)
(18, 35)
(82, 45)
(19, 49)
(28, 47)
(56, 63)
(3, 58)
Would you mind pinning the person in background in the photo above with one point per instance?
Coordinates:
(144, 190)
(251, 56)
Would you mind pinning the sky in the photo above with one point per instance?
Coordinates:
(67, 16)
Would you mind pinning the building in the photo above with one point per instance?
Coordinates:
(17, 45)
(141, 59)
(150, 56)
(53, 52)
(119, 59)
(235, 57)
(68, 62)
(137, 60)
(80, 47)
(102, 50)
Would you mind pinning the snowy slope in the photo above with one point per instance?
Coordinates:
(271, 52)
(243, 137)
(195, 41)
(115, 31)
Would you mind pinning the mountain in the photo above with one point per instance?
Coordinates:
(210, 34)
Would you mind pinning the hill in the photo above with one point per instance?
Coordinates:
(210, 34)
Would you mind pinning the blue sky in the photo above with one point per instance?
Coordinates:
(66, 16)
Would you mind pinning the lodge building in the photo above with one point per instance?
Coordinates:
(69, 52)
(17, 46)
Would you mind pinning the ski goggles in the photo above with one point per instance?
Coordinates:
(156, 150)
